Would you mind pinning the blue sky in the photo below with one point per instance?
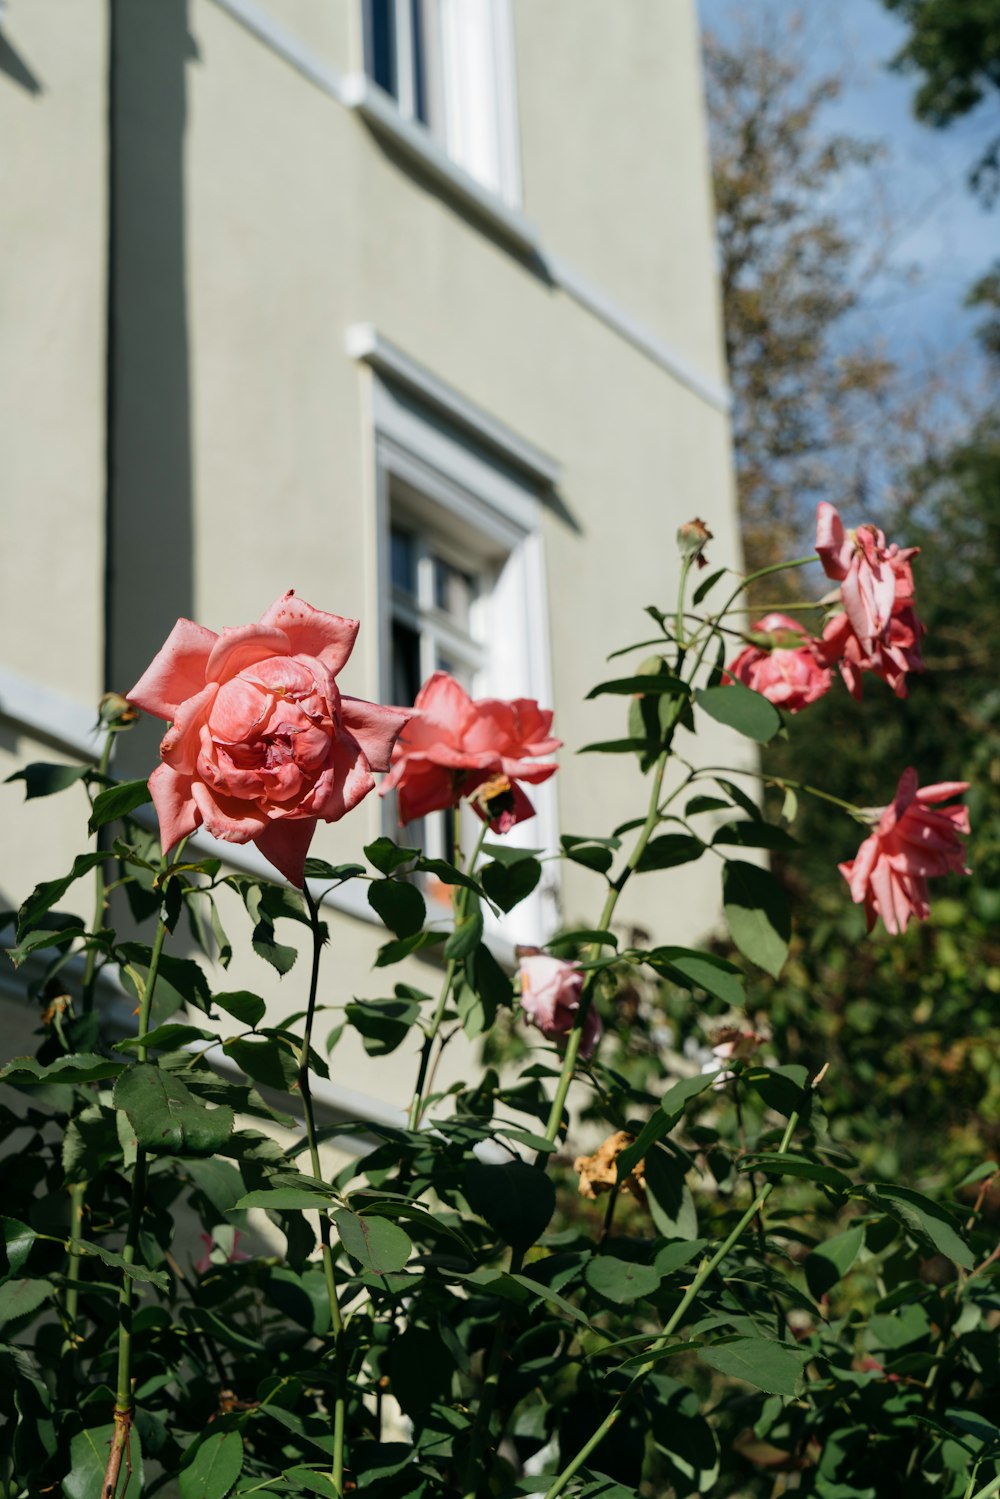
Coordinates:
(941, 232)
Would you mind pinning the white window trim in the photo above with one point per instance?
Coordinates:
(470, 489)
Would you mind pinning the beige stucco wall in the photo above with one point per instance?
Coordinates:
(273, 220)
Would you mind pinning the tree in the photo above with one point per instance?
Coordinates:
(955, 45)
(817, 405)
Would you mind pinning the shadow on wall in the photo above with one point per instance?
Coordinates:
(14, 66)
(150, 503)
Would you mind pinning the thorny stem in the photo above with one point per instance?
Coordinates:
(124, 1401)
(336, 1320)
(430, 1036)
(705, 1269)
(78, 1191)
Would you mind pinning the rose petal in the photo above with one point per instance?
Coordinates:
(311, 632)
(376, 729)
(240, 646)
(177, 671)
(226, 818)
(176, 810)
(285, 843)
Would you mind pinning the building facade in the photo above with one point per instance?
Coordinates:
(410, 305)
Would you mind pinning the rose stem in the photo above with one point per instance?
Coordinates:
(124, 1402)
(704, 1271)
(417, 1101)
(78, 1190)
(488, 1396)
(336, 1320)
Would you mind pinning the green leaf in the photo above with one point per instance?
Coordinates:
(736, 706)
(509, 853)
(517, 1200)
(620, 1280)
(18, 1238)
(465, 938)
(166, 1116)
(61, 930)
(646, 684)
(781, 1088)
(770, 1366)
(670, 1200)
(755, 834)
(118, 801)
(44, 896)
(42, 779)
(21, 1297)
(685, 1440)
(831, 1260)
(88, 1459)
(84, 1067)
(400, 905)
(925, 1219)
(284, 1200)
(758, 914)
(590, 855)
(673, 1256)
(707, 584)
(382, 1023)
(157, 1278)
(446, 873)
(395, 952)
(786, 1164)
(267, 1059)
(508, 885)
(169, 1037)
(671, 1108)
(700, 970)
(215, 1467)
(705, 804)
(583, 937)
(378, 1244)
(319, 869)
(669, 850)
(631, 746)
(179, 982)
(248, 1008)
(388, 856)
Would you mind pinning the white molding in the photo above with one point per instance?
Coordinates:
(366, 344)
(380, 111)
(49, 715)
(358, 93)
(635, 331)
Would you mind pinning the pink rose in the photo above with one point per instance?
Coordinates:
(455, 746)
(550, 997)
(914, 841)
(788, 670)
(891, 658)
(873, 577)
(261, 745)
(204, 1264)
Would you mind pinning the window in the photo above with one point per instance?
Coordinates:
(449, 65)
(462, 580)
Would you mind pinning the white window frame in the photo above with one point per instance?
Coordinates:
(464, 492)
(469, 83)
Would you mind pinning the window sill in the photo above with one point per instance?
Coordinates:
(380, 114)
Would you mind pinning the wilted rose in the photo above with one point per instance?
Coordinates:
(551, 990)
(785, 666)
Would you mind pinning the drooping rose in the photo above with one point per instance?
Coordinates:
(551, 990)
(874, 577)
(891, 658)
(261, 744)
(915, 840)
(787, 669)
(455, 746)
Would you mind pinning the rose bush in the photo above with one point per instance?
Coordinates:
(715, 1295)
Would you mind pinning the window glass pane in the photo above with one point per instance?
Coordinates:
(454, 592)
(419, 44)
(457, 669)
(405, 664)
(403, 561)
(381, 40)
